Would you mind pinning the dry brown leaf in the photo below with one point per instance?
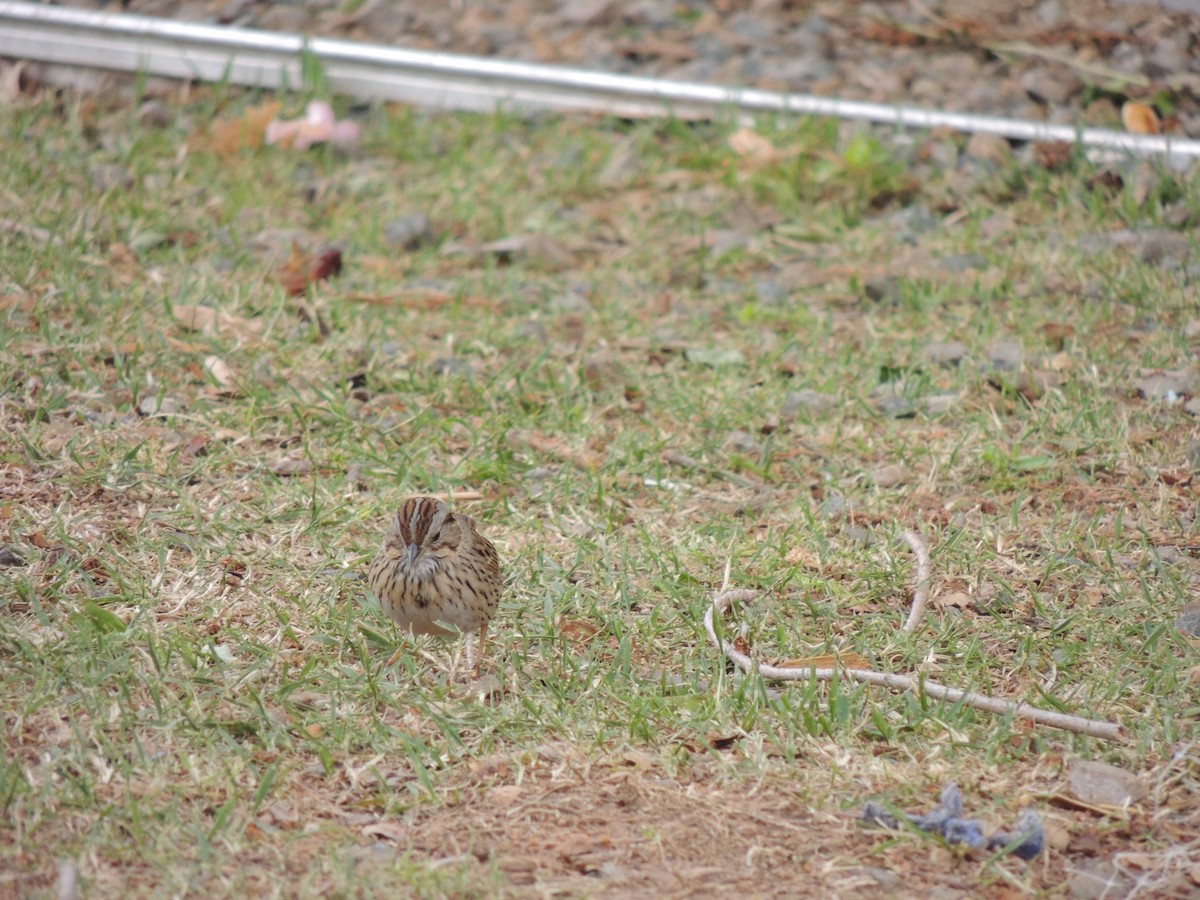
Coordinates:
(584, 459)
(577, 630)
(1140, 118)
(955, 599)
(291, 466)
(214, 322)
(805, 558)
(753, 148)
(387, 830)
(302, 269)
(219, 371)
(229, 136)
(1052, 155)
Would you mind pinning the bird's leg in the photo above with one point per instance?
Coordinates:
(472, 661)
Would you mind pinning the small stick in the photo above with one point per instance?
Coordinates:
(458, 495)
(725, 599)
(921, 593)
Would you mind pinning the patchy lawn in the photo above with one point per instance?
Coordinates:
(657, 352)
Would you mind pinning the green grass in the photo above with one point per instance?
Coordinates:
(192, 681)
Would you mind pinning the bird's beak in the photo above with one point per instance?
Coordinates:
(413, 550)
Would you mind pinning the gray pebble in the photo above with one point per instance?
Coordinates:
(895, 406)
(805, 401)
(1005, 356)
(963, 262)
(742, 442)
(410, 232)
(945, 353)
(155, 405)
(110, 177)
(450, 365)
(770, 293)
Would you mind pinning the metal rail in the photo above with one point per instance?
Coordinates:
(266, 59)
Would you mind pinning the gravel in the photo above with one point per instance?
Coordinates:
(1030, 60)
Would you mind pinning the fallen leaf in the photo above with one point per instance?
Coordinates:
(714, 357)
(1140, 118)
(805, 558)
(217, 369)
(1053, 155)
(291, 466)
(751, 147)
(387, 830)
(577, 630)
(214, 322)
(541, 249)
(827, 661)
(227, 137)
(301, 269)
(584, 459)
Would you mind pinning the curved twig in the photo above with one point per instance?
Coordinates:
(725, 599)
(921, 591)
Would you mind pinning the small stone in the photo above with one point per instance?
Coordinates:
(962, 262)
(409, 232)
(1098, 879)
(10, 557)
(770, 293)
(715, 357)
(1188, 620)
(883, 289)
(859, 535)
(912, 221)
(1167, 386)
(945, 353)
(995, 225)
(601, 371)
(940, 404)
(570, 302)
(890, 476)
(1100, 784)
(742, 442)
(1049, 13)
(155, 114)
(156, 405)
(895, 406)
(833, 504)
(450, 365)
(291, 466)
(1005, 356)
(533, 329)
(805, 401)
(1166, 554)
(110, 177)
(990, 148)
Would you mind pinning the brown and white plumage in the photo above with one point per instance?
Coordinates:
(435, 569)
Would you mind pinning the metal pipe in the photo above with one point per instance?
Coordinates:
(449, 81)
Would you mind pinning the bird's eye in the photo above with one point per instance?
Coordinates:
(435, 536)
